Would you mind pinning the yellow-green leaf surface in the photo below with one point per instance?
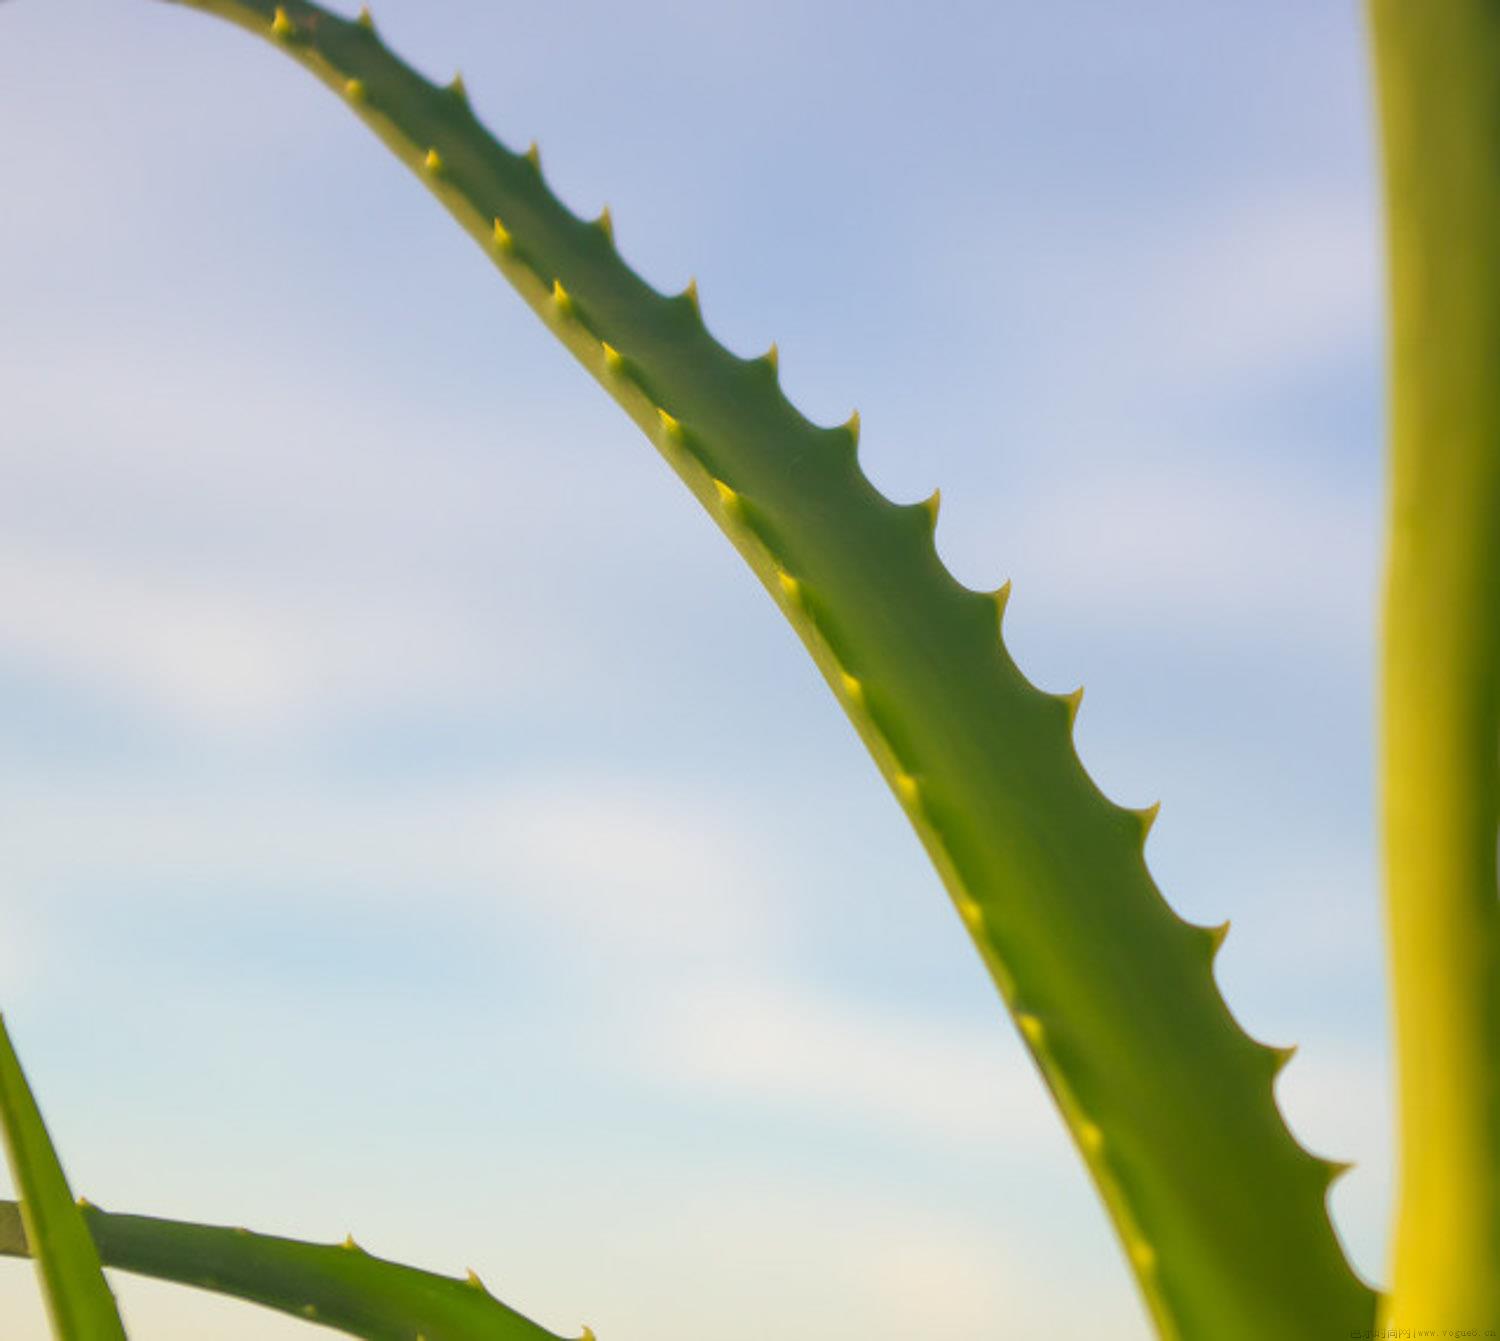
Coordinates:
(1223, 1216)
(79, 1301)
(1438, 68)
(336, 1285)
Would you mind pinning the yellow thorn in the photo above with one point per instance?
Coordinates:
(1281, 1056)
(433, 163)
(1143, 1255)
(854, 690)
(1090, 1137)
(84, 1204)
(366, 19)
(1216, 937)
(789, 585)
(972, 914)
(588, 1334)
(1001, 597)
(1072, 702)
(281, 24)
(612, 359)
(728, 499)
(240, 1229)
(851, 426)
(458, 88)
(503, 239)
(931, 505)
(354, 90)
(1147, 816)
(473, 1279)
(350, 1244)
(669, 425)
(1337, 1168)
(560, 298)
(772, 356)
(1031, 1028)
(605, 223)
(533, 155)
(691, 294)
(907, 788)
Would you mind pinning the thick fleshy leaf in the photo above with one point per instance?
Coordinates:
(79, 1301)
(1222, 1214)
(337, 1285)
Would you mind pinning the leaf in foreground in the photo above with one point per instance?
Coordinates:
(79, 1301)
(338, 1285)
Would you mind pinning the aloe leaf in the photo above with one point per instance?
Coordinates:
(79, 1301)
(1438, 70)
(1222, 1214)
(336, 1285)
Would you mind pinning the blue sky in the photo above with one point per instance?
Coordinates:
(414, 818)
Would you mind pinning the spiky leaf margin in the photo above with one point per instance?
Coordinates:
(1222, 1214)
(79, 1302)
(336, 1285)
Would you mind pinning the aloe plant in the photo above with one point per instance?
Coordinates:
(1221, 1214)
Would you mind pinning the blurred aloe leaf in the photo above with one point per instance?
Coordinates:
(336, 1285)
(79, 1301)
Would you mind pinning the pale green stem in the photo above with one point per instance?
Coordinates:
(1438, 69)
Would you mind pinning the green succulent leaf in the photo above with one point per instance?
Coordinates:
(1222, 1214)
(335, 1285)
(1438, 71)
(79, 1301)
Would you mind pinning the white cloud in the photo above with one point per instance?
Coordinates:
(1234, 291)
(1260, 554)
(625, 863)
(804, 1054)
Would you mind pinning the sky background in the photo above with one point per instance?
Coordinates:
(414, 819)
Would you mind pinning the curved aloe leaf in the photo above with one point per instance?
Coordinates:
(1439, 77)
(78, 1298)
(339, 1286)
(1222, 1214)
